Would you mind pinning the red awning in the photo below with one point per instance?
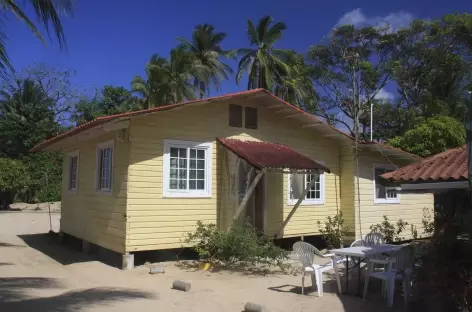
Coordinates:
(270, 155)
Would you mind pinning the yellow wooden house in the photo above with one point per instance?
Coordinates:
(140, 181)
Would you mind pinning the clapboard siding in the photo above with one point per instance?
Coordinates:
(409, 209)
(154, 222)
(94, 217)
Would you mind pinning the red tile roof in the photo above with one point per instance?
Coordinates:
(270, 155)
(448, 166)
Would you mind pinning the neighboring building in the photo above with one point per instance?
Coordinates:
(446, 170)
(141, 180)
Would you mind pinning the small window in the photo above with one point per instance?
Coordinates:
(235, 116)
(187, 169)
(105, 167)
(298, 183)
(73, 171)
(382, 192)
(251, 118)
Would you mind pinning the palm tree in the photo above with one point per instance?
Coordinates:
(168, 81)
(46, 11)
(206, 48)
(262, 62)
(296, 86)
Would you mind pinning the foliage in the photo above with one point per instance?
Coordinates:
(45, 172)
(169, 81)
(295, 86)
(13, 175)
(443, 276)
(25, 118)
(242, 244)
(428, 222)
(262, 63)
(47, 12)
(334, 231)
(109, 100)
(205, 47)
(352, 66)
(433, 136)
(390, 231)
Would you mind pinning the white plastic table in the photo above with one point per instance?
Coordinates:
(363, 252)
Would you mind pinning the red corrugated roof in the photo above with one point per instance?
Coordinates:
(270, 155)
(447, 166)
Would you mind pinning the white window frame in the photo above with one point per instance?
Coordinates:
(384, 200)
(101, 146)
(205, 193)
(310, 201)
(69, 158)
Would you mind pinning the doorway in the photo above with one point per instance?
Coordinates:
(256, 205)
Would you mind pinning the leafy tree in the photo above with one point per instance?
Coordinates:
(352, 66)
(296, 86)
(433, 71)
(206, 49)
(433, 136)
(262, 63)
(13, 178)
(25, 118)
(47, 12)
(107, 101)
(169, 81)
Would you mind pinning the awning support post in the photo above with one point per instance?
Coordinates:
(251, 189)
(295, 207)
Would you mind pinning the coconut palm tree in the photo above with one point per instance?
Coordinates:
(206, 48)
(168, 81)
(296, 86)
(47, 12)
(262, 62)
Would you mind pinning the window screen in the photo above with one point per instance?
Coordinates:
(235, 116)
(251, 118)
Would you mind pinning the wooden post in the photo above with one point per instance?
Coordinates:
(251, 188)
(299, 201)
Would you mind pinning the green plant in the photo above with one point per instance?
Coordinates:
(242, 244)
(390, 231)
(428, 222)
(414, 231)
(334, 231)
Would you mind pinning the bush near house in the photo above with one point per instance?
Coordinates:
(241, 245)
(334, 231)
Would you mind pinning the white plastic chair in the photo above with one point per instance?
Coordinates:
(399, 267)
(306, 254)
(374, 238)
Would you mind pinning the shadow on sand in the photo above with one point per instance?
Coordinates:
(352, 302)
(51, 247)
(15, 297)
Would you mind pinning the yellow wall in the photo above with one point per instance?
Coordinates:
(410, 208)
(154, 222)
(347, 163)
(94, 217)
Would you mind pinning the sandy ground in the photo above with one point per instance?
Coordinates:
(38, 274)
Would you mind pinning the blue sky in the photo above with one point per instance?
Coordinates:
(109, 42)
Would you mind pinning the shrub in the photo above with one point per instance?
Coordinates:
(334, 231)
(242, 244)
(428, 222)
(390, 231)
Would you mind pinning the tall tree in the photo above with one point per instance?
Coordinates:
(169, 81)
(25, 118)
(109, 100)
(262, 62)
(206, 48)
(47, 13)
(296, 86)
(353, 65)
(434, 69)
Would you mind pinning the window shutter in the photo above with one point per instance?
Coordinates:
(235, 115)
(251, 118)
